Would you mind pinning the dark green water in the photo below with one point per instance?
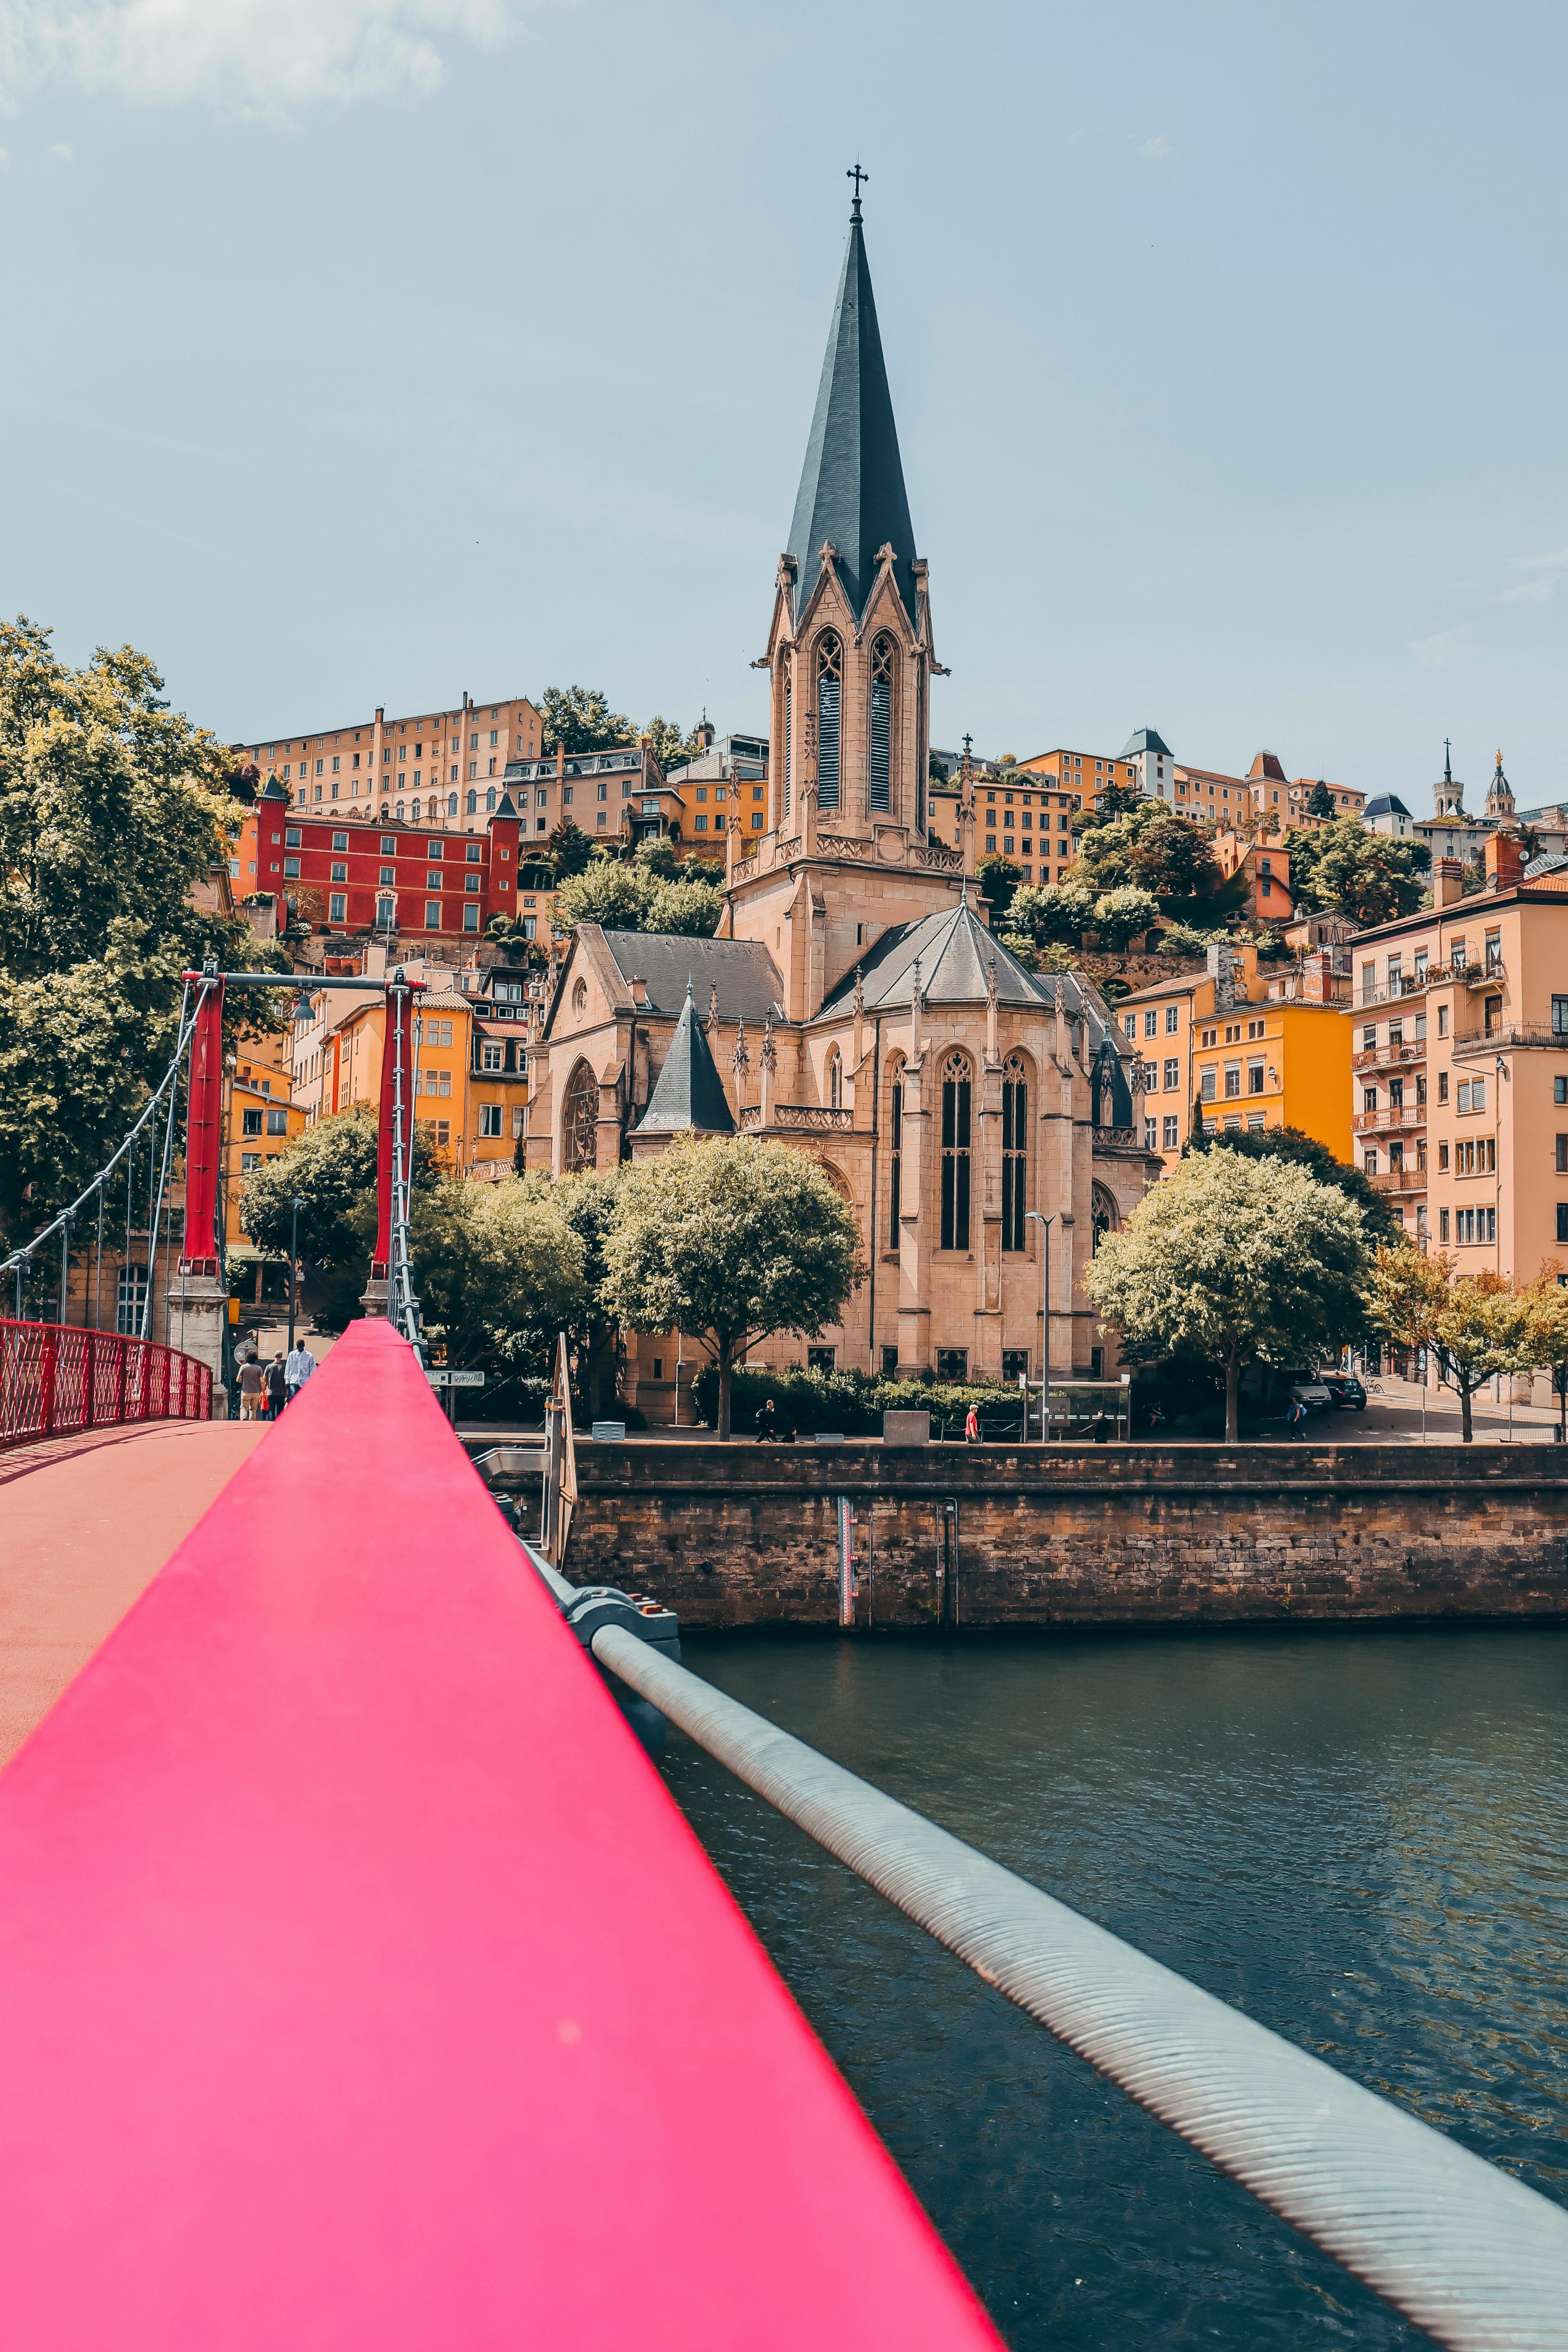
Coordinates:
(1362, 1839)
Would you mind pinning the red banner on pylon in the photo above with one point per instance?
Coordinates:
(204, 1131)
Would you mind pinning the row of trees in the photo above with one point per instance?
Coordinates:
(579, 718)
(688, 1242)
(1238, 1259)
(114, 809)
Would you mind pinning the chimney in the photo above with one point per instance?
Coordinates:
(1447, 881)
(1505, 860)
(1318, 978)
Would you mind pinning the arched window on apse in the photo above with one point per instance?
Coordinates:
(829, 689)
(955, 1093)
(1014, 1152)
(1104, 1212)
(789, 736)
(895, 1147)
(882, 723)
(835, 1088)
(580, 1120)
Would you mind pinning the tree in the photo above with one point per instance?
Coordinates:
(668, 745)
(588, 1204)
(632, 898)
(1475, 1325)
(1233, 1262)
(656, 853)
(1321, 801)
(1343, 869)
(1116, 799)
(568, 849)
(1293, 1144)
(508, 932)
(579, 718)
(498, 1269)
(112, 808)
(1148, 846)
(1121, 915)
(998, 879)
(1547, 1298)
(691, 909)
(730, 1242)
(330, 1171)
(1061, 911)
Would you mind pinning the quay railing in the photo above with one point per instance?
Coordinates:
(59, 1379)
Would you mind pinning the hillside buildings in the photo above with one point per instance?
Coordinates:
(435, 768)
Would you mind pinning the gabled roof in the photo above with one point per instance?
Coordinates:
(1268, 768)
(852, 484)
(1385, 804)
(689, 1093)
(743, 971)
(957, 955)
(1145, 740)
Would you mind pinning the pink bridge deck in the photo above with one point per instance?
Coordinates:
(362, 1986)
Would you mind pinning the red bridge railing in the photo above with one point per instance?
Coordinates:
(56, 1378)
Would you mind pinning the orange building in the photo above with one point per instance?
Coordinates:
(1230, 1044)
(1266, 796)
(1265, 870)
(435, 769)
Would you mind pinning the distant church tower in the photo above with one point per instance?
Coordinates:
(1499, 797)
(1449, 795)
(850, 656)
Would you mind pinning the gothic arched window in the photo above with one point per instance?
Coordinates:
(580, 1120)
(956, 1087)
(895, 1147)
(1103, 1209)
(829, 688)
(835, 1080)
(1014, 1150)
(789, 738)
(882, 723)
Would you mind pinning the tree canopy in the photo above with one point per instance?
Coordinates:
(1320, 800)
(1341, 868)
(579, 718)
(998, 879)
(1294, 1144)
(1119, 915)
(112, 808)
(498, 1269)
(1476, 1325)
(631, 896)
(1233, 1261)
(697, 1247)
(1060, 912)
(568, 848)
(1146, 846)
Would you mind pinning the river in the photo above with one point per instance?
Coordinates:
(1361, 1838)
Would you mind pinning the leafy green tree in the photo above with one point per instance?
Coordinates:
(508, 932)
(998, 879)
(729, 1241)
(1121, 915)
(1321, 801)
(1548, 1301)
(330, 1171)
(1475, 1325)
(112, 809)
(656, 853)
(1060, 911)
(631, 896)
(589, 1203)
(569, 849)
(1342, 869)
(1115, 798)
(1233, 1261)
(690, 910)
(1150, 846)
(668, 744)
(1294, 1144)
(498, 1269)
(579, 718)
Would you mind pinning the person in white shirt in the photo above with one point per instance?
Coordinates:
(297, 1369)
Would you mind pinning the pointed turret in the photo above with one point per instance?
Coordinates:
(852, 485)
(689, 1093)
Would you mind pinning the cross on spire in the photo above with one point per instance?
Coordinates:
(856, 175)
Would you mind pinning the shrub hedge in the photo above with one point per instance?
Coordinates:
(853, 1403)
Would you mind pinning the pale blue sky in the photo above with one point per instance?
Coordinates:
(362, 350)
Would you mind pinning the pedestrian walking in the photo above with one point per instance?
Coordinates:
(765, 1431)
(971, 1426)
(251, 1392)
(277, 1387)
(297, 1369)
(1297, 1417)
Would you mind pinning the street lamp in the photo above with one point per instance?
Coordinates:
(294, 1209)
(1032, 1217)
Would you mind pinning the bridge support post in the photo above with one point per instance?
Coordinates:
(200, 1299)
(396, 1112)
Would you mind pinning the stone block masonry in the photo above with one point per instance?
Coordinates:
(951, 1537)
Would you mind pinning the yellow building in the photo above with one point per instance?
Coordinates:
(1224, 1044)
(262, 1119)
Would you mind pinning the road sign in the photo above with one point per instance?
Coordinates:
(450, 1379)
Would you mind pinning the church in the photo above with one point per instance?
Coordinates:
(980, 1117)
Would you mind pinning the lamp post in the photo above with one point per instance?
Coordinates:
(1032, 1217)
(294, 1209)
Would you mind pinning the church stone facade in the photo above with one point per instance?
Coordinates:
(855, 1003)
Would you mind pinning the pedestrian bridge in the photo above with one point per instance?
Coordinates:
(361, 1985)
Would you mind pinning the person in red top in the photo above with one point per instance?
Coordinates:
(971, 1426)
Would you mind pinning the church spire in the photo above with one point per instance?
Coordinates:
(852, 484)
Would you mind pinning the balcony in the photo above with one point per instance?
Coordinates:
(1389, 1057)
(1394, 1119)
(1403, 1180)
(821, 1118)
(1416, 983)
(1507, 1036)
(1481, 975)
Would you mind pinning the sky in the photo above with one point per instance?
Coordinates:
(364, 351)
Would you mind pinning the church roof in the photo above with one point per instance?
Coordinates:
(852, 484)
(689, 1093)
(742, 971)
(957, 954)
(1145, 740)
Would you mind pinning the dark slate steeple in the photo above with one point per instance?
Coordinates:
(852, 485)
(689, 1093)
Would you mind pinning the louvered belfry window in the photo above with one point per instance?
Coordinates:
(829, 688)
(789, 738)
(955, 1153)
(881, 724)
(1014, 1150)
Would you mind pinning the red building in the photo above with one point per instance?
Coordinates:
(382, 876)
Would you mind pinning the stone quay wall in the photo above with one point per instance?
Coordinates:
(1144, 1534)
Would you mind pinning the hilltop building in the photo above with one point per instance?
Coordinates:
(855, 1003)
(443, 769)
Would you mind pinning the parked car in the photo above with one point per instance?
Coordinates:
(1310, 1390)
(1345, 1390)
